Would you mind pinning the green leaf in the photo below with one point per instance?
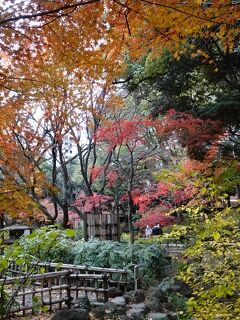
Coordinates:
(42, 270)
(70, 232)
(20, 261)
(216, 236)
(3, 263)
(203, 190)
(44, 308)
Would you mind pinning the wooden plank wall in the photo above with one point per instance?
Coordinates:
(102, 226)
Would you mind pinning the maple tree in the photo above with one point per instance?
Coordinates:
(51, 52)
(58, 103)
(173, 188)
(104, 143)
(65, 60)
(137, 143)
(206, 88)
(143, 20)
(127, 140)
(45, 32)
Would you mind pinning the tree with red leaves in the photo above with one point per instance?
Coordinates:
(197, 135)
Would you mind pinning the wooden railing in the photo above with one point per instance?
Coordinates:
(116, 277)
(38, 285)
(30, 292)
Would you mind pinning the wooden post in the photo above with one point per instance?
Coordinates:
(60, 293)
(68, 290)
(42, 286)
(50, 294)
(105, 286)
(24, 301)
(136, 276)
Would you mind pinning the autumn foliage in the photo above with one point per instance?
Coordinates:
(59, 65)
(77, 138)
(88, 204)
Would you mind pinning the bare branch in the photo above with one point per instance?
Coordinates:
(47, 12)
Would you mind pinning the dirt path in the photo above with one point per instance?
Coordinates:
(44, 316)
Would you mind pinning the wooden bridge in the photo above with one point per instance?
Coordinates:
(53, 285)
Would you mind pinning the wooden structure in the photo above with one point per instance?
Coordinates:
(104, 226)
(14, 232)
(115, 277)
(30, 292)
(54, 285)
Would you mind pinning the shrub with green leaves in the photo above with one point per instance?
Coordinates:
(213, 267)
(169, 294)
(111, 254)
(48, 244)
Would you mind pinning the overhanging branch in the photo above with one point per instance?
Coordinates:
(47, 12)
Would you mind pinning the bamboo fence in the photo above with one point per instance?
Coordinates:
(103, 226)
(53, 285)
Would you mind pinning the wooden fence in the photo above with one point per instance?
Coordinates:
(30, 292)
(103, 226)
(47, 284)
(116, 277)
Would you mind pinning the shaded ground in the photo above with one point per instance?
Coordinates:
(44, 316)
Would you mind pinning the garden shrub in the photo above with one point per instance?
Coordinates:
(213, 263)
(48, 244)
(110, 254)
(171, 293)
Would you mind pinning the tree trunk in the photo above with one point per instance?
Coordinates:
(130, 214)
(228, 201)
(85, 227)
(118, 224)
(65, 217)
(1, 220)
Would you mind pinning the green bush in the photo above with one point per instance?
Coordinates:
(110, 254)
(169, 294)
(48, 244)
(213, 263)
(79, 234)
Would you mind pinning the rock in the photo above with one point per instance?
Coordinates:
(138, 306)
(114, 292)
(173, 316)
(137, 310)
(123, 317)
(157, 316)
(77, 314)
(158, 293)
(118, 301)
(95, 304)
(136, 313)
(168, 306)
(156, 299)
(116, 306)
(155, 305)
(82, 303)
(182, 288)
(135, 296)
